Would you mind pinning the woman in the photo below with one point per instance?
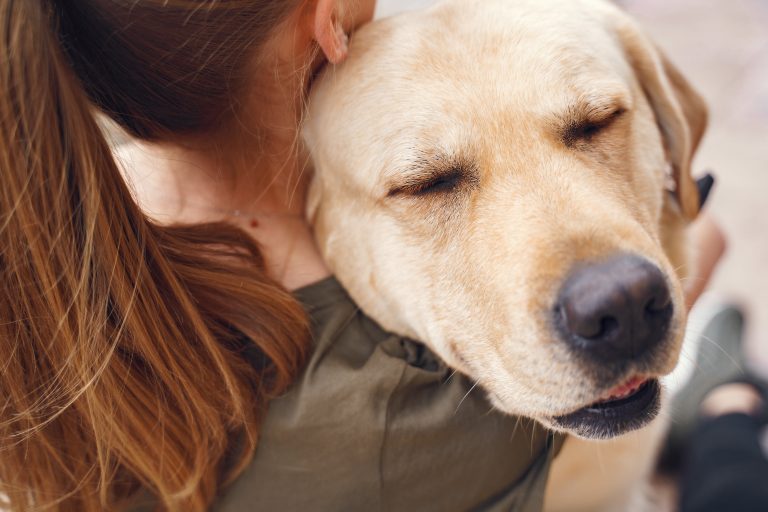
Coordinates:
(146, 318)
(121, 335)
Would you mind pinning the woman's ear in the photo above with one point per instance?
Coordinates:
(328, 31)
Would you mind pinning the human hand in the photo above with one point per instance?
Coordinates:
(709, 245)
(732, 398)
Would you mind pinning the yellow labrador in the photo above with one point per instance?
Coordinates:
(509, 182)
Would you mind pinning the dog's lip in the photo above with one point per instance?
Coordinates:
(616, 414)
(625, 390)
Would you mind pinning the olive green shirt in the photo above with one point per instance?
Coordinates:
(377, 422)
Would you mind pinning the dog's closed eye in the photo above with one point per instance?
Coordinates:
(441, 182)
(436, 177)
(584, 127)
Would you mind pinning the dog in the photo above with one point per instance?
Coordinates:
(509, 182)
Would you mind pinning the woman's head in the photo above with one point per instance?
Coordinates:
(123, 342)
(164, 68)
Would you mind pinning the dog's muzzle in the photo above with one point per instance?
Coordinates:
(612, 315)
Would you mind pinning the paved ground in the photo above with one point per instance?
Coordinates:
(722, 47)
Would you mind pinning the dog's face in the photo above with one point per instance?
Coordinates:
(493, 178)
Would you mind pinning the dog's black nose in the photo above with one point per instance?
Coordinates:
(616, 309)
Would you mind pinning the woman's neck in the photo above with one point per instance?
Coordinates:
(174, 183)
(252, 175)
(261, 191)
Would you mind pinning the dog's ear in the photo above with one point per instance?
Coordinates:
(681, 113)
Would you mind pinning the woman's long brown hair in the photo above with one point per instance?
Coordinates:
(134, 358)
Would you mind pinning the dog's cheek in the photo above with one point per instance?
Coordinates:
(675, 240)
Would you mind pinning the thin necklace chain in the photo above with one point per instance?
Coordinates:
(261, 213)
(244, 214)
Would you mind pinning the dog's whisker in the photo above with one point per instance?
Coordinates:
(531, 439)
(687, 358)
(514, 429)
(707, 339)
(466, 395)
(600, 460)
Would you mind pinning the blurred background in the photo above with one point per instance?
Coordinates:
(722, 48)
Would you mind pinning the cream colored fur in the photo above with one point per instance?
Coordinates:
(486, 89)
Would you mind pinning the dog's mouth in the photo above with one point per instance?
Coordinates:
(626, 407)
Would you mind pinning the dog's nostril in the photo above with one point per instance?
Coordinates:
(589, 327)
(608, 326)
(615, 309)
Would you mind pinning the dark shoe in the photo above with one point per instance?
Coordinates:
(719, 360)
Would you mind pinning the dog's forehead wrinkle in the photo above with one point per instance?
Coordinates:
(456, 100)
(515, 126)
(596, 105)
